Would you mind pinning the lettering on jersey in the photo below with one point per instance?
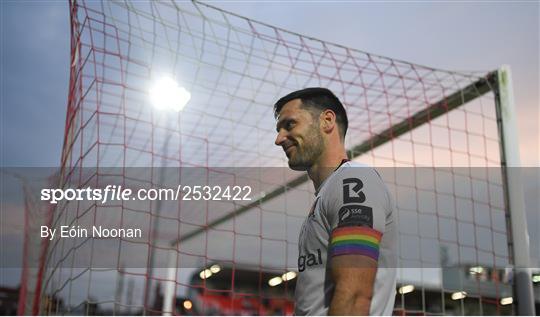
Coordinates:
(310, 259)
(353, 185)
(355, 215)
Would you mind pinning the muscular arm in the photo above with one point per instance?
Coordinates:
(357, 216)
(353, 276)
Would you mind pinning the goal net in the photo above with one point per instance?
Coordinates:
(432, 134)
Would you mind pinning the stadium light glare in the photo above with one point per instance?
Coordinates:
(288, 276)
(215, 268)
(507, 300)
(406, 289)
(206, 273)
(536, 279)
(476, 270)
(188, 304)
(459, 295)
(275, 281)
(166, 94)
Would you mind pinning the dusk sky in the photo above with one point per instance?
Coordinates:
(462, 36)
(469, 36)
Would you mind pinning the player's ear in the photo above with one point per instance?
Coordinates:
(328, 120)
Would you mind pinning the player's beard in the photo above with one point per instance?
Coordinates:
(308, 153)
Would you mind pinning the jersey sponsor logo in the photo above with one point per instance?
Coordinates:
(310, 259)
(355, 215)
(352, 191)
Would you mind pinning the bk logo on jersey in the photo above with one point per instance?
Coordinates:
(352, 191)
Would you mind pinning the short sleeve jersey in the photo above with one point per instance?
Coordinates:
(353, 213)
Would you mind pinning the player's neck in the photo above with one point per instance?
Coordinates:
(326, 165)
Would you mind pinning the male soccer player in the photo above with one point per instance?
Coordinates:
(347, 260)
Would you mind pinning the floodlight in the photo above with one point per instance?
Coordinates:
(166, 94)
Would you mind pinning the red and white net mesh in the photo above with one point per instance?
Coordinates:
(432, 133)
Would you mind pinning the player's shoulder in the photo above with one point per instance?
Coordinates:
(351, 174)
(356, 188)
(359, 170)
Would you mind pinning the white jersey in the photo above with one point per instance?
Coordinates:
(353, 213)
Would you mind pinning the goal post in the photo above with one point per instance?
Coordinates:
(510, 160)
(442, 141)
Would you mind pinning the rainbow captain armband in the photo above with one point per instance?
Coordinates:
(355, 241)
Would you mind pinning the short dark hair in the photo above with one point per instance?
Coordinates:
(320, 99)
